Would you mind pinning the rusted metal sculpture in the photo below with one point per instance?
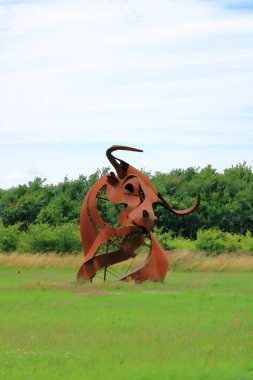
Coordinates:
(131, 191)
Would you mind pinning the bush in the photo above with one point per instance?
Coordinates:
(23, 244)
(68, 238)
(60, 239)
(232, 242)
(41, 238)
(165, 239)
(183, 244)
(212, 241)
(169, 242)
(247, 242)
(9, 238)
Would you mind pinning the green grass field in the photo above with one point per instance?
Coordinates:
(194, 326)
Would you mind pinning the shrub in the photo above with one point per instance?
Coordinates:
(165, 239)
(44, 238)
(247, 242)
(169, 242)
(231, 241)
(9, 238)
(23, 244)
(183, 244)
(212, 241)
(41, 238)
(68, 238)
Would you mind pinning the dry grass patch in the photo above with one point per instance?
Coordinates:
(189, 261)
(179, 261)
(32, 261)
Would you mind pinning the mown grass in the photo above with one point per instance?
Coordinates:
(193, 326)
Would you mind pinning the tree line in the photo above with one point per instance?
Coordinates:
(226, 201)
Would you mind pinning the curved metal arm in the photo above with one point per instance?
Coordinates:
(179, 212)
(121, 166)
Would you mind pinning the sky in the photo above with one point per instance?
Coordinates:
(171, 77)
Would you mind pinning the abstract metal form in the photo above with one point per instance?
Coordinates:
(136, 200)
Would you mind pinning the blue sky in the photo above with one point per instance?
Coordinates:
(172, 77)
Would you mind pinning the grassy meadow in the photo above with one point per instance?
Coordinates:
(196, 325)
